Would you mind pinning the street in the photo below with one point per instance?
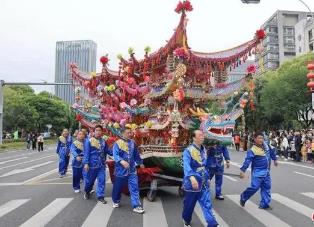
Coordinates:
(33, 195)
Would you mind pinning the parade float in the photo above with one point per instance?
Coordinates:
(166, 95)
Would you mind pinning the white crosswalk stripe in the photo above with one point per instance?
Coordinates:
(154, 215)
(298, 207)
(262, 215)
(199, 213)
(309, 194)
(48, 213)
(11, 205)
(100, 215)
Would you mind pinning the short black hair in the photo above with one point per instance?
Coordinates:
(99, 126)
(193, 133)
(258, 134)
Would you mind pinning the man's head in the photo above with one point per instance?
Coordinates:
(198, 137)
(65, 132)
(80, 135)
(98, 131)
(259, 138)
(127, 133)
(84, 130)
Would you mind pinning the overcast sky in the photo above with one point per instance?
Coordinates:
(30, 28)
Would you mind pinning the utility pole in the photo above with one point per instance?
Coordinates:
(3, 83)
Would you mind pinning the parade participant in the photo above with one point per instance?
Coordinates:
(63, 150)
(126, 158)
(77, 165)
(260, 157)
(196, 181)
(215, 164)
(94, 160)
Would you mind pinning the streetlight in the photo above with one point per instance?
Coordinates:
(250, 1)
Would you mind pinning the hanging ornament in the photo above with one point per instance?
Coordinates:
(104, 59)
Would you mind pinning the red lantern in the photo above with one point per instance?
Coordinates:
(310, 85)
(310, 75)
(310, 66)
(104, 60)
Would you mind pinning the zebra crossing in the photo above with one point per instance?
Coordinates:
(155, 215)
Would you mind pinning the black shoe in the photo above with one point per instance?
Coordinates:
(102, 200)
(220, 197)
(242, 203)
(265, 208)
(86, 195)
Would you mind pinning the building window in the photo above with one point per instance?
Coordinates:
(288, 30)
(310, 35)
(289, 54)
(289, 46)
(300, 50)
(272, 47)
(272, 39)
(273, 29)
(288, 40)
(272, 56)
(311, 47)
(272, 65)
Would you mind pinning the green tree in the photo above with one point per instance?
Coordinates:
(23, 109)
(18, 114)
(280, 94)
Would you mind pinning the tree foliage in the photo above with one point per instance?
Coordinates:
(280, 94)
(23, 109)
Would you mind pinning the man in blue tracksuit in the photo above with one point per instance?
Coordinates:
(260, 156)
(63, 150)
(215, 164)
(77, 164)
(126, 158)
(196, 181)
(94, 161)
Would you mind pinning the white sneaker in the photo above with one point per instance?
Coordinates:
(116, 205)
(186, 224)
(139, 210)
(77, 191)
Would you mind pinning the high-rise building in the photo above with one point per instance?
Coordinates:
(280, 44)
(304, 36)
(81, 52)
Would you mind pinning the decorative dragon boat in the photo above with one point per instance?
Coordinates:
(167, 94)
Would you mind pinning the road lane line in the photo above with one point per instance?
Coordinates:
(21, 163)
(24, 170)
(41, 176)
(309, 194)
(262, 215)
(154, 215)
(230, 178)
(294, 164)
(44, 216)
(100, 215)
(12, 160)
(199, 213)
(298, 207)
(304, 174)
(238, 165)
(11, 205)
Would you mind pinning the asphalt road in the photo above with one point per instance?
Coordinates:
(33, 195)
